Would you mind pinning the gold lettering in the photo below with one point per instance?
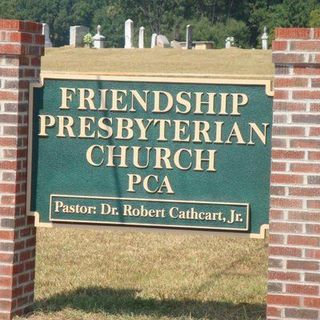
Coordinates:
(183, 102)
(86, 98)
(236, 103)
(65, 97)
(262, 135)
(89, 155)
(65, 123)
(117, 100)
(199, 159)
(165, 107)
(46, 121)
(235, 132)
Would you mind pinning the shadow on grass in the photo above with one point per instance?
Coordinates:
(127, 302)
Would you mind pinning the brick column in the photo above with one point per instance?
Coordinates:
(294, 254)
(21, 46)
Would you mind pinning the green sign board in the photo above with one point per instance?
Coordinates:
(181, 153)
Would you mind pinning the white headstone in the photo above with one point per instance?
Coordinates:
(46, 33)
(153, 40)
(175, 44)
(76, 35)
(189, 37)
(99, 39)
(141, 38)
(162, 41)
(228, 43)
(264, 39)
(128, 34)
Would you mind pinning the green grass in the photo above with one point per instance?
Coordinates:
(89, 274)
(104, 275)
(223, 61)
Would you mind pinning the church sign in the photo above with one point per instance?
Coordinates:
(147, 152)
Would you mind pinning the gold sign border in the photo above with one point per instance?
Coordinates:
(145, 77)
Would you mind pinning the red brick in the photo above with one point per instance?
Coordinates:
(281, 94)
(303, 216)
(279, 45)
(276, 214)
(8, 95)
(307, 70)
(290, 82)
(314, 180)
(278, 166)
(287, 58)
(287, 154)
(288, 131)
(312, 302)
(292, 33)
(276, 239)
(314, 131)
(304, 192)
(279, 143)
(277, 178)
(281, 70)
(313, 204)
(301, 314)
(276, 191)
(275, 263)
(312, 277)
(305, 118)
(313, 228)
(314, 155)
(273, 312)
(302, 289)
(314, 107)
(285, 227)
(308, 45)
(305, 94)
(303, 240)
(284, 276)
(289, 106)
(303, 265)
(305, 167)
(285, 251)
(285, 300)
(280, 119)
(313, 253)
(285, 203)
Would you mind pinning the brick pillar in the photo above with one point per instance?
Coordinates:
(21, 46)
(294, 254)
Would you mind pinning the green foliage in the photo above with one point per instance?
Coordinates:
(212, 19)
(87, 39)
(314, 20)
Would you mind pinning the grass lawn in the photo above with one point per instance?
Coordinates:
(256, 63)
(104, 275)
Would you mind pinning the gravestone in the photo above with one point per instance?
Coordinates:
(203, 45)
(162, 41)
(46, 33)
(189, 37)
(128, 34)
(229, 42)
(176, 44)
(141, 38)
(99, 39)
(264, 39)
(153, 40)
(76, 35)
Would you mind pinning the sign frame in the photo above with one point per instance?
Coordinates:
(158, 78)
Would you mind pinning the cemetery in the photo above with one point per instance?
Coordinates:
(167, 175)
